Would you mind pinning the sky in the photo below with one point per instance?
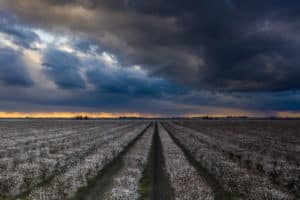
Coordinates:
(149, 58)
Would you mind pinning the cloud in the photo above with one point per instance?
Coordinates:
(63, 69)
(214, 45)
(132, 82)
(21, 36)
(159, 56)
(13, 70)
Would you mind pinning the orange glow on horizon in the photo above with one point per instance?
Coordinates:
(71, 115)
(134, 114)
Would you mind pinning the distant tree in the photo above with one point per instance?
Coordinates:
(80, 117)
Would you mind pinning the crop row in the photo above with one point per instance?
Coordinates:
(234, 177)
(66, 184)
(277, 139)
(126, 182)
(185, 181)
(278, 170)
(28, 168)
(38, 129)
(24, 170)
(37, 138)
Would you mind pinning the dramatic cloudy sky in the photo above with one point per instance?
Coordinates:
(158, 57)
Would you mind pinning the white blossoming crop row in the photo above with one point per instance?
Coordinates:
(23, 169)
(125, 184)
(65, 185)
(231, 174)
(185, 180)
(260, 151)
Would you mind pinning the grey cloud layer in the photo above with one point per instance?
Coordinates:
(115, 88)
(63, 68)
(197, 55)
(13, 69)
(217, 45)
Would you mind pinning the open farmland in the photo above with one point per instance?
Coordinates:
(147, 159)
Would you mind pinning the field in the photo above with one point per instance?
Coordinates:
(149, 159)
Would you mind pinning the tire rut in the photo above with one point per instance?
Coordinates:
(155, 183)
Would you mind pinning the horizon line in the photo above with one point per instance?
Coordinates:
(118, 115)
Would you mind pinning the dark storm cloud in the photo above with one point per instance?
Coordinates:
(211, 53)
(132, 83)
(225, 45)
(10, 26)
(63, 69)
(255, 101)
(13, 69)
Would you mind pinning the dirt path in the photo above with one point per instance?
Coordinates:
(155, 184)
